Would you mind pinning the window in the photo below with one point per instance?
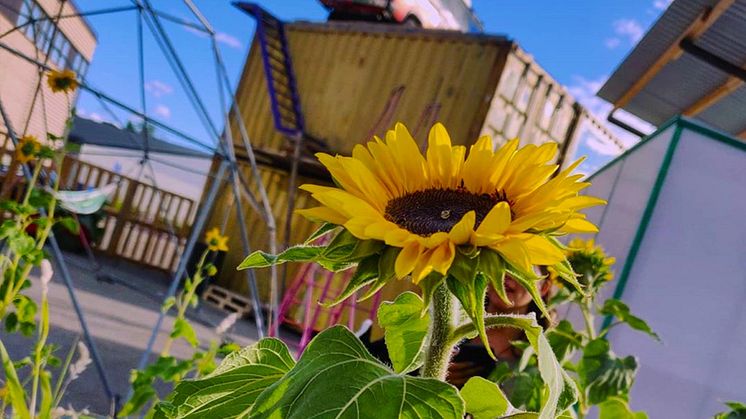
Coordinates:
(50, 40)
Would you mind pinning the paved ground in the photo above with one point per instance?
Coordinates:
(120, 315)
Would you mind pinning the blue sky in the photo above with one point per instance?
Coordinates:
(578, 42)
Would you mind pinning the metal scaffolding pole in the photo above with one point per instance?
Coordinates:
(197, 227)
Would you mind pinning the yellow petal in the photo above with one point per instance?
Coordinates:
(407, 259)
(462, 231)
(542, 252)
(579, 225)
(514, 251)
(496, 221)
(442, 257)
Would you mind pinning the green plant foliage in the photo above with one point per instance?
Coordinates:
(564, 339)
(182, 329)
(348, 381)
(484, 399)
(231, 390)
(617, 408)
(737, 411)
(616, 308)
(405, 327)
(471, 295)
(603, 374)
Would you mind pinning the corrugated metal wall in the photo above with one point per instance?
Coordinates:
(354, 82)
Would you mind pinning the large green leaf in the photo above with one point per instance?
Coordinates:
(617, 408)
(231, 389)
(561, 391)
(405, 329)
(616, 308)
(603, 374)
(484, 399)
(337, 378)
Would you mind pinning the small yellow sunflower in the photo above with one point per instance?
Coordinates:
(62, 81)
(591, 255)
(505, 200)
(27, 149)
(216, 241)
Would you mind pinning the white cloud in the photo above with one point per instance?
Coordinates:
(229, 40)
(158, 88)
(661, 4)
(629, 28)
(220, 37)
(612, 43)
(93, 116)
(163, 111)
(604, 148)
(584, 91)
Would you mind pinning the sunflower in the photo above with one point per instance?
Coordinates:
(216, 241)
(505, 200)
(27, 149)
(62, 81)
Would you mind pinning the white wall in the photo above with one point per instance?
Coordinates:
(689, 282)
(181, 175)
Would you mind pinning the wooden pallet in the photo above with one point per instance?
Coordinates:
(227, 300)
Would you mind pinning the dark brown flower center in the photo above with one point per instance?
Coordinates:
(432, 210)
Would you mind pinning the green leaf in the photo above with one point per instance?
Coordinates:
(182, 329)
(484, 399)
(168, 303)
(261, 259)
(325, 229)
(492, 266)
(737, 411)
(231, 390)
(385, 271)
(349, 249)
(528, 281)
(471, 295)
(617, 408)
(560, 388)
(70, 223)
(40, 198)
(464, 268)
(337, 377)
(564, 339)
(15, 388)
(21, 243)
(565, 271)
(616, 308)
(365, 273)
(602, 374)
(8, 228)
(405, 330)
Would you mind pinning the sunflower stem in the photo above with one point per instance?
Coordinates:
(439, 348)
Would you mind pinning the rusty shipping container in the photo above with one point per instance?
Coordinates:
(357, 80)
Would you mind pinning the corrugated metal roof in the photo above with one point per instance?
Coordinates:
(683, 81)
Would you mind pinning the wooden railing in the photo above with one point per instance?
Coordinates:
(143, 224)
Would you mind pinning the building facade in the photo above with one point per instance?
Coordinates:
(52, 33)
